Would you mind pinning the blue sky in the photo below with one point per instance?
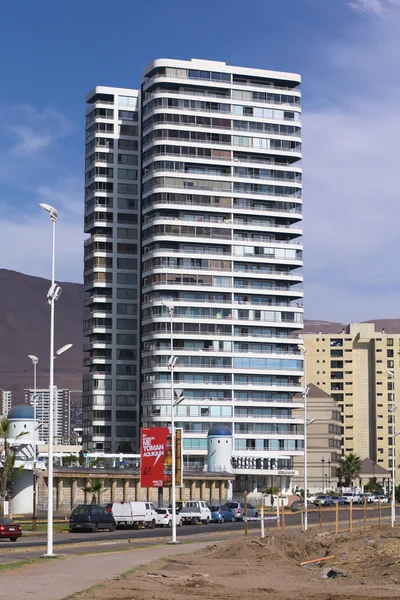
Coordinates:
(348, 53)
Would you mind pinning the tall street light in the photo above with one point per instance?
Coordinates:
(323, 474)
(392, 411)
(173, 361)
(303, 350)
(52, 295)
(35, 361)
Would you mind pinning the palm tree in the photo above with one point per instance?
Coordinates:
(7, 460)
(94, 487)
(350, 467)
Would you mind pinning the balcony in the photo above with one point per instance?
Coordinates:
(204, 94)
(224, 204)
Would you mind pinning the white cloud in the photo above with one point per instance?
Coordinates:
(351, 180)
(28, 140)
(32, 170)
(27, 245)
(373, 7)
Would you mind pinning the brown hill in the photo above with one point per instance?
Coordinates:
(25, 329)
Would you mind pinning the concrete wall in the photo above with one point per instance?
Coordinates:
(68, 492)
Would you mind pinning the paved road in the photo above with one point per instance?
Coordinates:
(130, 535)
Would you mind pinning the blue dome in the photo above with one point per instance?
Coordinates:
(23, 411)
(219, 431)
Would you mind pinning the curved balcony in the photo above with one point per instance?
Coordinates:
(200, 94)
(161, 108)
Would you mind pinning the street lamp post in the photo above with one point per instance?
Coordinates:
(52, 295)
(303, 350)
(392, 411)
(323, 474)
(35, 361)
(171, 366)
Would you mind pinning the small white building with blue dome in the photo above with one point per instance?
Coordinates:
(21, 439)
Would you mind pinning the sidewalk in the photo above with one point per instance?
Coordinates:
(55, 579)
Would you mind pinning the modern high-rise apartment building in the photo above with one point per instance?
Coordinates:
(111, 273)
(220, 211)
(62, 412)
(5, 402)
(359, 368)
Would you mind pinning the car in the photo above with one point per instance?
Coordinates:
(382, 498)
(338, 500)
(323, 499)
(164, 518)
(370, 496)
(9, 529)
(299, 504)
(351, 497)
(221, 513)
(91, 517)
(238, 510)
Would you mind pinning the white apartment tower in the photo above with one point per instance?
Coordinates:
(221, 203)
(62, 412)
(111, 272)
(220, 210)
(5, 402)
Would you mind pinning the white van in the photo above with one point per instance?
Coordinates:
(194, 511)
(135, 514)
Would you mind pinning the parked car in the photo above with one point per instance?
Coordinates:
(338, 500)
(384, 499)
(238, 510)
(323, 500)
(9, 529)
(135, 514)
(195, 511)
(164, 518)
(220, 514)
(298, 505)
(91, 517)
(351, 497)
(370, 496)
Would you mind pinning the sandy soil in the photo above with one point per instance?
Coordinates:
(366, 565)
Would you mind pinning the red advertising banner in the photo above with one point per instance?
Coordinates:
(155, 457)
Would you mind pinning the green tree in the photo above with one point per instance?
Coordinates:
(349, 468)
(94, 487)
(373, 486)
(397, 493)
(81, 458)
(7, 461)
(70, 461)
(272, 490)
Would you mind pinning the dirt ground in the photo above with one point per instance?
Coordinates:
(366, 565)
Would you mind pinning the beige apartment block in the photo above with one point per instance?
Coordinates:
(324, 440)
(359, 367)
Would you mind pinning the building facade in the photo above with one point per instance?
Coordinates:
(324, 442)
(111, 273)
(62, 412)
(359, 367)
(221, 205)
(5, 402)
